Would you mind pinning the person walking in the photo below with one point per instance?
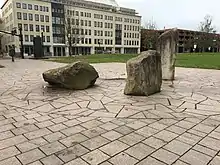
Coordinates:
(12, 52)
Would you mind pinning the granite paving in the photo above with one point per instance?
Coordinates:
(45, 125)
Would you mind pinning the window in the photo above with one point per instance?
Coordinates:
(31, 27)
(47, 18)
(24, 16)
(41, 8)
(19, 15)
(42, 18)
(47, 9)
(90, 32)
(36, 7)
(31, 38)
(82, 22)
(77, 13)
(37, 28)
(19, 25)
(25, 27)
(81, 14)
(26, 38)
(90, 23)
(30, 16)
(47, 29)
(36, 17)
(44, 8)
(53, 20)
(48, 38)
(29, 6)
(18, 5)
(24, 5)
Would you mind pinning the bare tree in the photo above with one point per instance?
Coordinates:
(206, 39)
(149, 35)
(206, 25)
(74, 32)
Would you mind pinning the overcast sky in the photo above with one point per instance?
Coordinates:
(185, 14)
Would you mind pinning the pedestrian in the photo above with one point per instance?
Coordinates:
(12, 52)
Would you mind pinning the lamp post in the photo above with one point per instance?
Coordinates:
(42, 41)
(70, 44)
(21, 40)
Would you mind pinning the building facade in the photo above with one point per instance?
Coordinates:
(73, 26)
(187, 40)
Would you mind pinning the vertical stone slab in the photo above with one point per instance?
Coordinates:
(144, 74)
(167, 47)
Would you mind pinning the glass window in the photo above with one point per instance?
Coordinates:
(41, 8)
(54, 20)
(19, 25)
(42, 18)
(31, 27)
(57, 20)
(42, 28)
(24, 16)
(47, 9)
(30, 16)
(24, 5)
(31, 38)
(18, 5)
(25, 27)
(37, 28)
(36, 17)
(47, 29)
(36, 7)
(29, 6)
(48, 38)
(26, 38)
(19, 15)
(47, 18)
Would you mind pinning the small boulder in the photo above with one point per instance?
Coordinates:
(78, 75)
(144, 74)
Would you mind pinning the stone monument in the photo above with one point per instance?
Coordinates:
(167, 47)
(78, 75)
(144, 74)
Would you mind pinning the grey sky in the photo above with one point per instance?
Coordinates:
(185, 14)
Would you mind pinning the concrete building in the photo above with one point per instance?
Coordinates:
(73, 26)
(188, 40)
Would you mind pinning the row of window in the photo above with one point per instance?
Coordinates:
(56, 10)
(31, 7)
(128, 20)
(30, 38)
(131, 28)
(129, 42)
(76, 13)
(119, 19)
(108, 42)
(38, 28)
(77, 21)
(131, 35)
(29, 16)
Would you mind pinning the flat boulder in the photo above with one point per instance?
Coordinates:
(78, 75)
(144, 74)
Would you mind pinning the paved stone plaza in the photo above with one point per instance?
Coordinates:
(43, 125)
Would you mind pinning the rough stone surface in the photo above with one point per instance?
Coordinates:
(144, 74)
(180, 125)
(167, 47)
(78, 75)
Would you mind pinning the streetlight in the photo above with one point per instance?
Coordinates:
(42, 41)
(70, 44)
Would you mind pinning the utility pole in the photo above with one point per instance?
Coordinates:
(42, 42)
(21, 40)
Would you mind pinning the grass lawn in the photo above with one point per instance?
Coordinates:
(98, 58)
(190, 60)
(199, 60)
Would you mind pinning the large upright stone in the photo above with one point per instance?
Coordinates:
(167, 47)
(78, 75)
(144, 74)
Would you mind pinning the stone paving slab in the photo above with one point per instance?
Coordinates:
(42, 125)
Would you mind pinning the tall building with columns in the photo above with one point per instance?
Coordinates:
(73, 26)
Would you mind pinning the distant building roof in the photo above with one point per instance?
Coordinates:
(107, 2)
